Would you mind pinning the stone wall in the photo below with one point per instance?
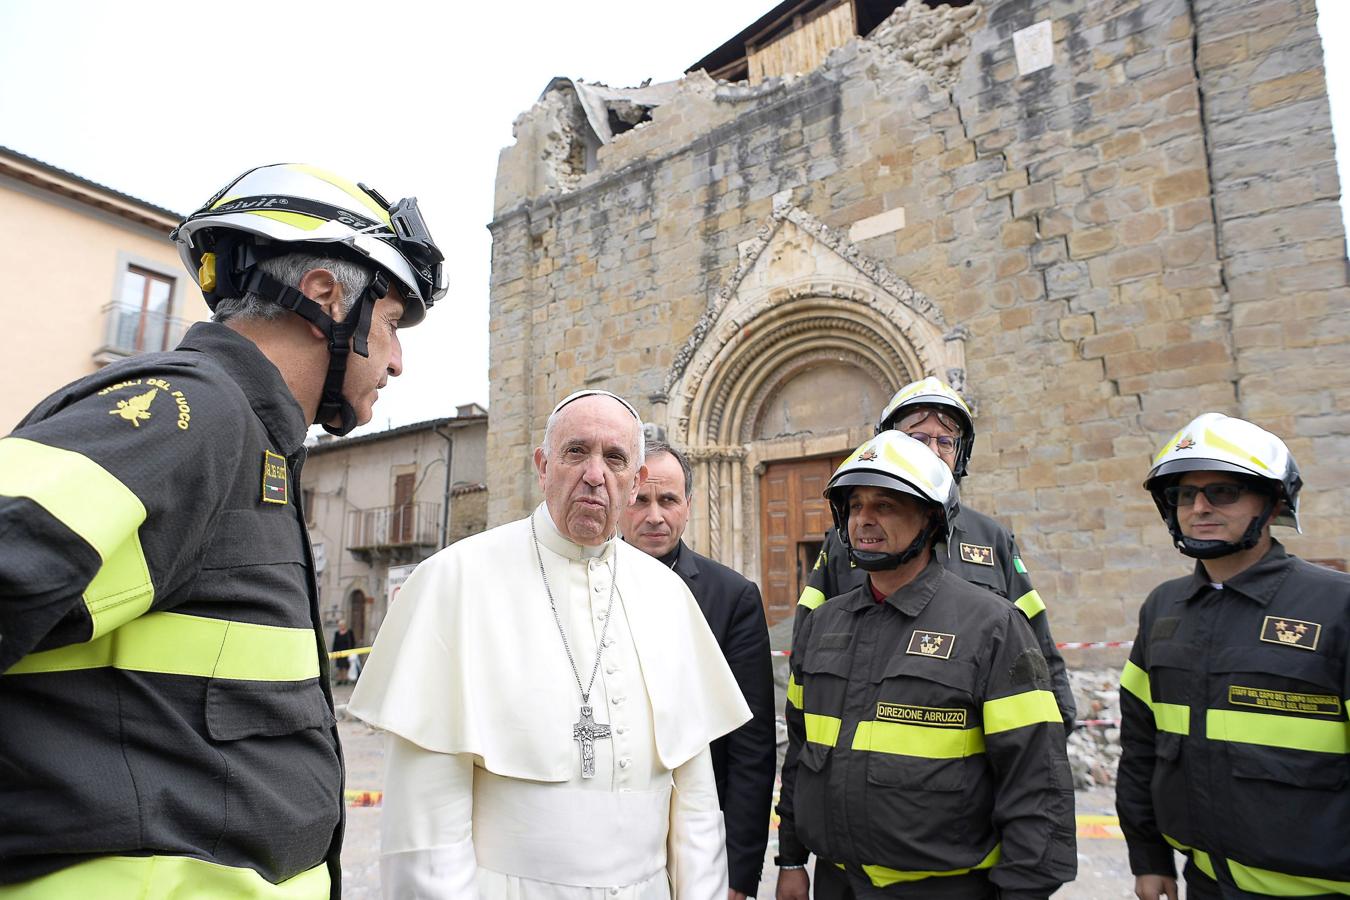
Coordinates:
(1102, 247)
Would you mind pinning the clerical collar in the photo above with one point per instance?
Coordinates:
(557, 542)
(672, 557)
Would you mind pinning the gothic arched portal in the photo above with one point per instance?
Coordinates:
(785, 374)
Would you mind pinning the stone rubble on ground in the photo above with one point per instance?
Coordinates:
(1094, 750)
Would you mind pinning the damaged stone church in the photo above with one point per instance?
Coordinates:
(1095, 218)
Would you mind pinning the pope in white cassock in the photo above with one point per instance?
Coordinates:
(549, 693)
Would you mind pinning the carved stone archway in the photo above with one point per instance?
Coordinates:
(802, 296)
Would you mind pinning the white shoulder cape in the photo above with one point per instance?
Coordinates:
(468, 660)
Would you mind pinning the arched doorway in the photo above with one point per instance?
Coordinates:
(784, 376)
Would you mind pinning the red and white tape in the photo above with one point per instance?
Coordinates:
(1063, 645)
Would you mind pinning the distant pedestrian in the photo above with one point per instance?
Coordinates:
(343, 639)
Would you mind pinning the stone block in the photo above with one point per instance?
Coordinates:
(1019, 233)
(1092, 242)
(1170, 190)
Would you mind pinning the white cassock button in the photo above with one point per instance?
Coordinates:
(598, 588)
(610, 670)
(616, 700)
(625, 763)
(613, 891)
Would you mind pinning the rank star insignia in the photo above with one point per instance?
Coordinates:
(931, 643)
(974, 553)
(137, 409)
(1290, 632)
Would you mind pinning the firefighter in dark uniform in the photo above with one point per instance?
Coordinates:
(1236, 744)
(978, 549)
(926, 754)
(167, 726)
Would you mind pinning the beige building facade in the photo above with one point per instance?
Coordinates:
(93, 278)
(383, 501)
(1096, 220)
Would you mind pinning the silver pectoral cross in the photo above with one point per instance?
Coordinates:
(586, 732)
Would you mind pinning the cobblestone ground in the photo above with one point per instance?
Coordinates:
(1103, 873)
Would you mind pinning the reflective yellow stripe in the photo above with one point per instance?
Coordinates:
(810, 598)
(1199, 857)
(883, 877)
(1277, 884)
(918, 740)
(1135, 680)
(822, 729)
(175, 644)
(1277, 731)
(162, 877)
(1212, 438)
(90, 501)
(1020, 710)
(299, 220)
(343, 184)
(1030, 604)
(1172, 717)
(794, 692)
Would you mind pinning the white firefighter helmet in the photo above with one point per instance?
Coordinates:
(1213, 442)
(895, 461)
(292, 203)
(274, 210)
(938, 394)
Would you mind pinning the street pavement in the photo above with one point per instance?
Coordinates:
(1103, 872)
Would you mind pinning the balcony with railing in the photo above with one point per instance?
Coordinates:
(407, 532)
(128, 330)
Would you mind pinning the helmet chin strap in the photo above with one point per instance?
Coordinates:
(881, 562)
(1198, 549)
(343, 337)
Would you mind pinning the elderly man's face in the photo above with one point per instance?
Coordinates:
(590, 472)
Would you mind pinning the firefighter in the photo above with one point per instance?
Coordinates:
(1236, 746)
(926, 752)
(979, 549)
(167, 724)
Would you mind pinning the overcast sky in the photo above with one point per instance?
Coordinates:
(169, 101)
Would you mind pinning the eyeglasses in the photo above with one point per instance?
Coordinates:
(1218, 494)
(945, 446)
(905, 423)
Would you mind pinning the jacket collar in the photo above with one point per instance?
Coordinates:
(1259, 581)
(910, 599)
(257, 377)
(686, 561)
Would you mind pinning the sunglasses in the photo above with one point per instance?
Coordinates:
(1220, 494)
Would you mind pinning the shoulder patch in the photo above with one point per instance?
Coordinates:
(931, 643)
(1029, 668)
(977, 554)
(274, 478)
(1291, 632)
(137, 408)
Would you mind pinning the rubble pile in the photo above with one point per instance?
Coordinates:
(1094, 749)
